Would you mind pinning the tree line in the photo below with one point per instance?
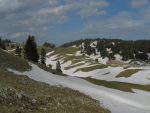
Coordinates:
(128, 49)
(4, 42)
(30, 52)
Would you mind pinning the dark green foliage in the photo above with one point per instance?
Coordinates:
(104, 53)
(127, 54)
(18, 51)
(129, 49)
(46, 44)
(7, 41)
(12, 45)
(87, 48)
(142, 56)
(43, 56)
(30, 49)
(2, 44)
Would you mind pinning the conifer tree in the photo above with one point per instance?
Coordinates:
(43, 56)
(104, 53)
(30, 49)
(18, 51)
(2, 44)
(58, 67)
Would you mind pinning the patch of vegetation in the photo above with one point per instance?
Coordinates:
(47, 49)
(73, 66)
(128, 73)
(10, 61)
(91, 68)
(30, 49)
(74, 59)
(28, 96)
(64, 51)
(127, 87)
(120, 45)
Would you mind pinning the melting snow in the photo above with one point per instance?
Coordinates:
(114, 100)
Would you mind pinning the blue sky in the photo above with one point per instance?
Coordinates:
(60, 21)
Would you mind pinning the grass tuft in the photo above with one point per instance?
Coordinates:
(128, 73)
(10, 61)
(91, 68)
(127, 87)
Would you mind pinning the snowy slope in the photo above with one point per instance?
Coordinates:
(114, 100)
(109, 73)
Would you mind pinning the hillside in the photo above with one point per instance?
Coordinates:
(20, 94)
(128, 49)
(121, 85)
(76, 61)
(126, 81)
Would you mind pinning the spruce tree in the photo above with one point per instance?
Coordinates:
(30, 49)
(2, 44)
(18, 51)
(104, 53)
(43, 56)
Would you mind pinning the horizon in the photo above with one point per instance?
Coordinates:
(60, 21)
(39, 43)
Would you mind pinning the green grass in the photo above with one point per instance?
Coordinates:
(10, 61)
(62, 54)
(74, 59)
(128, 73)
(47, 49)
(58, 58)
(49, 99)
(64, 51)
(73, 66)
(91, 68)
(53, 99)
(127, 87)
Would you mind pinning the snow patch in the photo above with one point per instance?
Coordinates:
(49, 53)
(103, 60)
(113, 43)
(74, 46)
(114, 100)
(118, 57)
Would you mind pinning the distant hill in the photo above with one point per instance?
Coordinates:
(128, 49)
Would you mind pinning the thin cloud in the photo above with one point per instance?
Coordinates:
(139, 3)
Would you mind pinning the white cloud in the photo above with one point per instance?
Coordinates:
(139, 3)
(19, 17)
(53, 2)
(22, 17)
(122, 25)
(88, 8)
(99, 3)
(90, 12)
(93, 8)
(122, 21)
(32, 16)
